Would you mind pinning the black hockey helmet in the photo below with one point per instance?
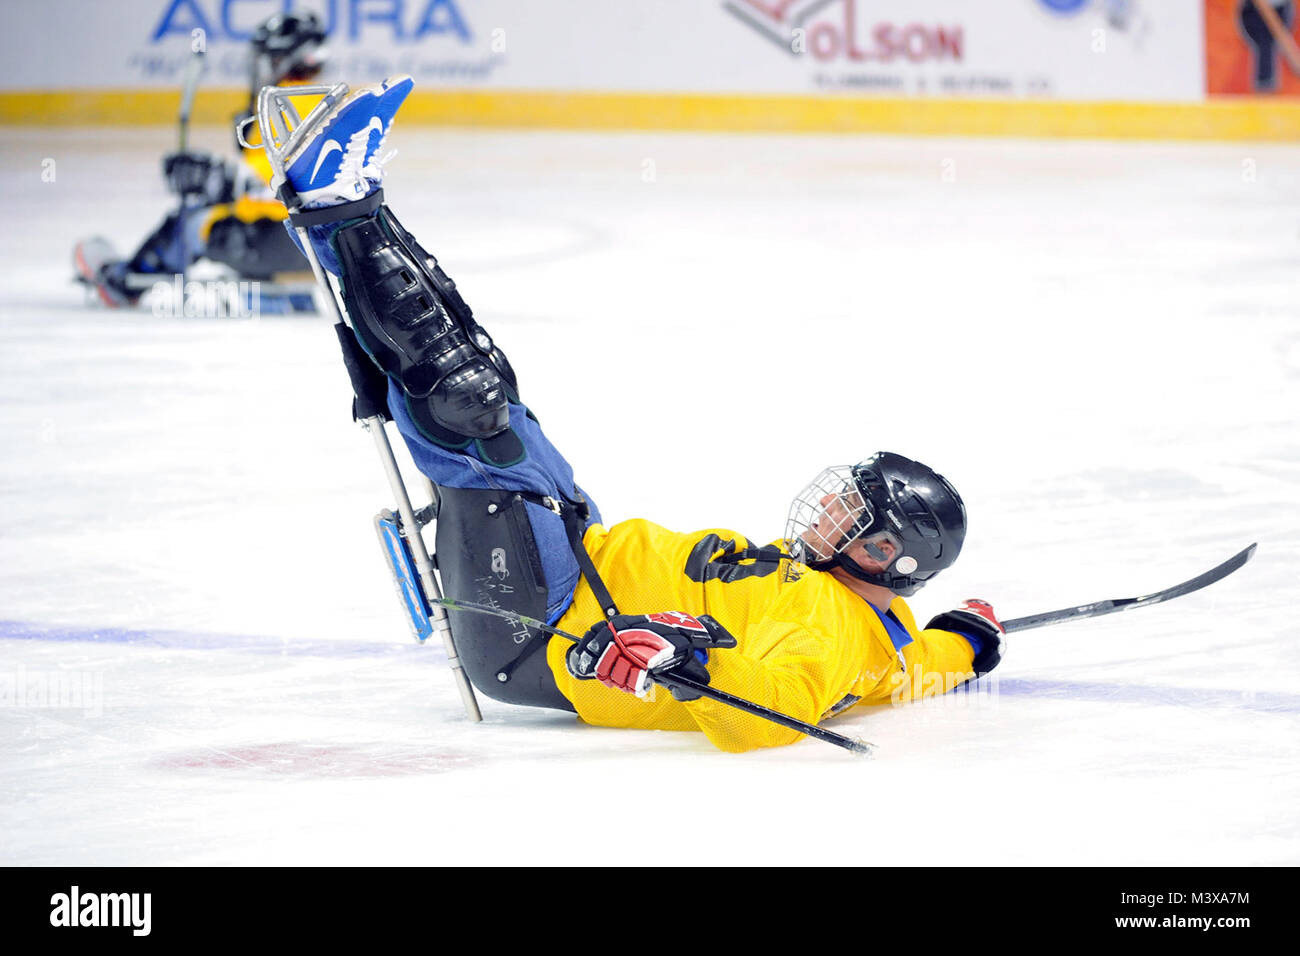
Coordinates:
(886, 498)
(287, 46)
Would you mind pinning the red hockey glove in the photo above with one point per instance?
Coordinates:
(628, 651)
(976, 618)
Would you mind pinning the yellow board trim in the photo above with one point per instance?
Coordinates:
(1245, 118)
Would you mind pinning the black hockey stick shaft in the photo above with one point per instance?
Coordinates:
(704, 690)
(193, 70)
(673, 680)
(189, 86)
(1099, 608)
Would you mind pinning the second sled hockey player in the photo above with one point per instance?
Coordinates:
(227, 213)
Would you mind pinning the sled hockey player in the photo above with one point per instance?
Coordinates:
(809, 626)
(226, 213)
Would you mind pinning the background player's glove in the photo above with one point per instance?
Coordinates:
(976, 618)
(197, 174)
(628, 651)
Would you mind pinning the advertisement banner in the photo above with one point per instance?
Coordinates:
(1116, 68)
(1067, 49)
(1148, 50)
(146, 43)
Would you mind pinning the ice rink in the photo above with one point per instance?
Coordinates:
(1098, 343)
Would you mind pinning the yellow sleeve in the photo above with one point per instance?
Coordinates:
(800, 673)
(937, 661)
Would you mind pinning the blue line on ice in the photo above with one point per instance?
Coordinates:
(1122, 693)
(195, 641)
(1105, 692)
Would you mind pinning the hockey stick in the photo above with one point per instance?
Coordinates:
(193, 71)
(853, 745)
(1123, 604)
(189, 86)
(674, 680)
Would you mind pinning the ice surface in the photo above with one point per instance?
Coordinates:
(1098, 343)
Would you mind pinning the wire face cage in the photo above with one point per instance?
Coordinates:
(827, 516)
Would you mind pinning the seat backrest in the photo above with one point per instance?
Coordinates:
(486, 555)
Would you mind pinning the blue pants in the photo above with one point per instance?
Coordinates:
(542, 471)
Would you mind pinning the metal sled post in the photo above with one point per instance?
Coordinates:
(279, 121)
(410, 529)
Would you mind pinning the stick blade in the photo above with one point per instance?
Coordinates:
(1098, 608)
(1216, 573)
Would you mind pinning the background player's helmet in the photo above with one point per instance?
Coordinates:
(886, 498)
(287, 47)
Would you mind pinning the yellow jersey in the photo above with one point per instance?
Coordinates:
(808, 646)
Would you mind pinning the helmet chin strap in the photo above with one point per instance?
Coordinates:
(903, 583)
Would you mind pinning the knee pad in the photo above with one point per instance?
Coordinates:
(458, 307)
(255, 250)
(411, 320)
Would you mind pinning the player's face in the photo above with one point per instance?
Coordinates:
(839, 514)
(827, 517)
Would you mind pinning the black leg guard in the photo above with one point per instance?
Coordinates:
(459, 308)
(410, 318)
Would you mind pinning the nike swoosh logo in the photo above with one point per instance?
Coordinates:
(377, 125)
(325, 151)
